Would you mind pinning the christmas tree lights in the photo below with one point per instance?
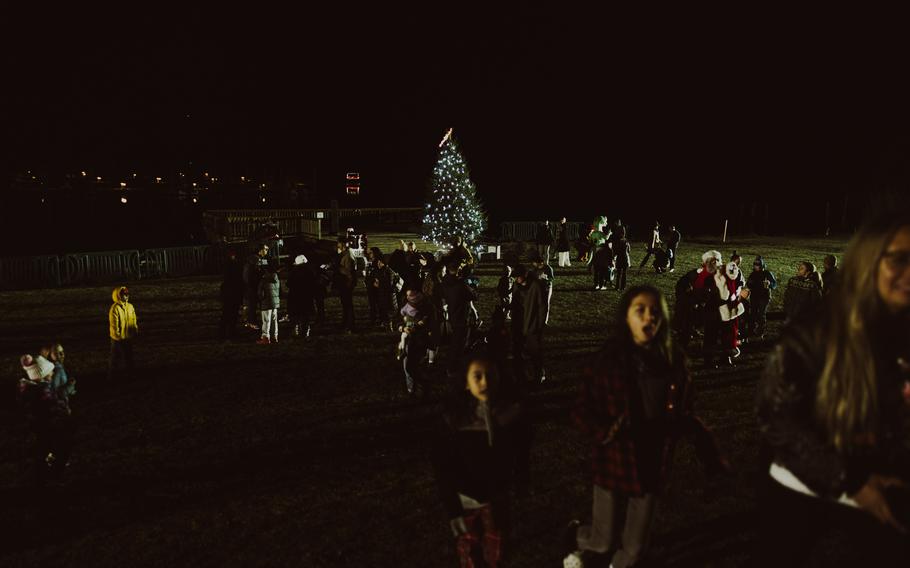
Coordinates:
(452, 207)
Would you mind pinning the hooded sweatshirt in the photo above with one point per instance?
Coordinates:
(122, 317)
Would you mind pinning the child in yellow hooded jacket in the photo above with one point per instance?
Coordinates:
(123, 328)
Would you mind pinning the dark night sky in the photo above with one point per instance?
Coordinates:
(578, 104)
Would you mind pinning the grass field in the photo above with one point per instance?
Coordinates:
(310, 454)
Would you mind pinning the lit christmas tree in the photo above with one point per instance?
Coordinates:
(452, 207)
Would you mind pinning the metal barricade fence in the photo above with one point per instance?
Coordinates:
(527, 230)
(30, 272)
(174, 261)
(95, 267)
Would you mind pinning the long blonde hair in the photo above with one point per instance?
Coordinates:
(846, 402)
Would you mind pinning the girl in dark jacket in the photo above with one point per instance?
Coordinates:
(479, 455)
(633, 403)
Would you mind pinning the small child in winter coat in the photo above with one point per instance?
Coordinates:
(414, 314)
(481, 452)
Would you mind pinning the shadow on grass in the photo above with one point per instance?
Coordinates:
(707, 542)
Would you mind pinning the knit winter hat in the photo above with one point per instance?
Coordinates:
(36, 368)
(300, 259)
(759, 261)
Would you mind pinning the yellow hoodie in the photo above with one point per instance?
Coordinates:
(122, 317)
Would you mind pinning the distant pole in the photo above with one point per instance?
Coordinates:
(725, 229)
(827, 218)
(843, 220)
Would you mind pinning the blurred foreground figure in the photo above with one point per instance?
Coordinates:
(48, 419)
(834, 407)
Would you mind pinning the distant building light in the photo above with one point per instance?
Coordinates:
(157, 180)
(134, 175)
(194, 184)
(206, 174)
(261, 186)
(42, 200)
(263, 199)
(195, 200)
(122, 184)
(123, 200)
(242, 178)
(353, 175)
(98, 178)
(84, 174)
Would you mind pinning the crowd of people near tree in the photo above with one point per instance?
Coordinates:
(834, 402)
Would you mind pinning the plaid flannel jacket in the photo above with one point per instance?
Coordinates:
(603, 410)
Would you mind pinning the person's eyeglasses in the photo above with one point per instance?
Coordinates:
(897, 259)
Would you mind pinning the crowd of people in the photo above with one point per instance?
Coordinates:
(833, 404)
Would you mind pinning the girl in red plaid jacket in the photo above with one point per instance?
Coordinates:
(632, 401)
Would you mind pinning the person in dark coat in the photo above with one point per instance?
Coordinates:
(519, 296)
(303, 283)
(504, 291)
(761, 282)
(535, 317)
(686, 309)
(370, 283)
(803, 294)
(480, 454)
(387, 285)
(830, 276)
(673, 239)
(652, 244)
(458, 297)
(601, 265)
(231, 295)
(253, 268)
(544, 240)
(563, 246)
(432, 291)
(343, 282)
(621, 255)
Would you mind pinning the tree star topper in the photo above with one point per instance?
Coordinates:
(446, 137)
